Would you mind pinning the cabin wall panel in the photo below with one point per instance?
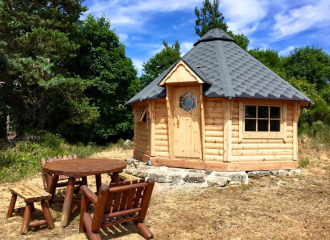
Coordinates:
(214, 127)
(161, 128)
(262, 149)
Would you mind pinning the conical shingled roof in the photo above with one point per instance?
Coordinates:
(227, 71)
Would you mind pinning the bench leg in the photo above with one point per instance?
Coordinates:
(11, 205)
(47, 214)
(144, 230)
(115, 178)
(26, 218)
(98, 181)
(52, 188)
(84, 181)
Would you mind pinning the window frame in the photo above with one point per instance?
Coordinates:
(259, 134)
(268, 118)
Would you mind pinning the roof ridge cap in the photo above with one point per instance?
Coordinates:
(224, 71)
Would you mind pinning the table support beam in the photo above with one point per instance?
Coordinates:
(67, 202)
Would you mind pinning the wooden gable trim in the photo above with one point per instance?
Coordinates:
(189, 75)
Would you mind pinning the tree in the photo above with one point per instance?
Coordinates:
(38, 38)
(269, 58)
(209, 17)
(101, 60)
(160, 62)
(309, 62)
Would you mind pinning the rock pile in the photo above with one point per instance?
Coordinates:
(206, 177)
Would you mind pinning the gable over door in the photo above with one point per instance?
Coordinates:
(186, 122)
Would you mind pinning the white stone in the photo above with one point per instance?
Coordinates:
(258, 174)
(279, 173)
(233, 176)
(216, 181)
(194, 178)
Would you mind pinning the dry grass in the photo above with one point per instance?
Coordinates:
(268, 208)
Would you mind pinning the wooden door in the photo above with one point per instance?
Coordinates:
(187, 133)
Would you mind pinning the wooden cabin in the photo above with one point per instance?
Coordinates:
(218, 108)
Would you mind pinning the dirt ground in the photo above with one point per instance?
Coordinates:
(296, 207)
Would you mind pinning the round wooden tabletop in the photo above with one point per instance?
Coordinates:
(84, 167)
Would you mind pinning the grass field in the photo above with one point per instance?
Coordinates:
(267, 208)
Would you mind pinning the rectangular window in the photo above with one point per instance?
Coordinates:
(262, 118)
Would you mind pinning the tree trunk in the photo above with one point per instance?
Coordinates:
(42, 119)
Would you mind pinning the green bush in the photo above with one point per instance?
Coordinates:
(22, 159)
(304, 162)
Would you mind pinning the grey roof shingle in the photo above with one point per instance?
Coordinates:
(227, 71)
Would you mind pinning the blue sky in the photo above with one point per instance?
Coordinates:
(278, 24)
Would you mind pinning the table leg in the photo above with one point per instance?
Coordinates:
(115, 177)
(67, 202)
(52, 188)
(98, 181)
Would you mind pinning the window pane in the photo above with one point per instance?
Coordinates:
(250, 125)
(275, 112)
(275, 126)
(262, 125)
(263, 112)
(187, 102)
(250, 111)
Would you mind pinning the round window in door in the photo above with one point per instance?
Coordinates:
(188, 102)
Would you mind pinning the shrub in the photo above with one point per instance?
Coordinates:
(304, 162)
(21, 159)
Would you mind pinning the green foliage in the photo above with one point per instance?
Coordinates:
(304, 162)
(268, 57)
(160, 62)
(240, 39)
(311, 63)
(23, 158)
(209, 17)
(37, 39)
(110, 76)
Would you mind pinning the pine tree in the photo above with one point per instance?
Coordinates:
(38, 38)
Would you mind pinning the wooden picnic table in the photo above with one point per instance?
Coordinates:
(77, 168)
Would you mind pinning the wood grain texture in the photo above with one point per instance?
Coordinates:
(84, 167)
(119, 203)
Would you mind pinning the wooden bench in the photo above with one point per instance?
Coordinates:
(30, 195)
(116, 204)
(127, 177)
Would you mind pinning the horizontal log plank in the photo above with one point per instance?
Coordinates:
(213, 145)
(213, 158)
(214, 139)
(161, 149)
(261, 158)
(215, 152)
(262, 146)
(213, 121)
(213, 127)
(161, 143)
(263, 152)
(213, 133)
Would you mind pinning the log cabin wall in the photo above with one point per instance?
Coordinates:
(161, 129)
(214, 129)
(142, 130)
(261, 148)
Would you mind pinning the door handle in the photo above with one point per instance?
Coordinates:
(178, 121)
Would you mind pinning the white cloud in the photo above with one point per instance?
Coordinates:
(122, 36)
(314, 15)
(138, 65)
(133, 14)
(286, 51)
(185, 47)
(243, 16)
